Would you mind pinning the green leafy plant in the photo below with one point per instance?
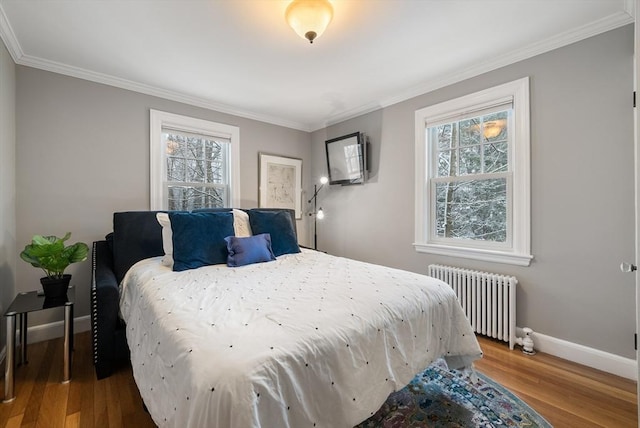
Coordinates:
(50, 254)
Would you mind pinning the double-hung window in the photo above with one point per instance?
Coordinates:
(472, 176)
(194, 163)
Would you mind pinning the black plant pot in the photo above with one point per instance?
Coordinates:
(55, 288)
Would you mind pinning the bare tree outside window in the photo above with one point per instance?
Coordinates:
(196, 171)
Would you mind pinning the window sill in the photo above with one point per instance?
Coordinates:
(476, 254)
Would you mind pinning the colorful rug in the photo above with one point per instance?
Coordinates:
(439, 397)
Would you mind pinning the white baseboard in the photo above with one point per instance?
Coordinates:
(605, 361)
(42, 332)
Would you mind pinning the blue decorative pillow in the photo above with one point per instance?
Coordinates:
(248, 250)
(280, 226)
(198, 238)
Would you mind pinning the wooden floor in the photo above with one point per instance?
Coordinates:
(566, 394)
(42, 401)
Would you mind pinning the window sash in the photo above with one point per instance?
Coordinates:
(195, 184)
(434, 151)
(475, 243)
(480, 109)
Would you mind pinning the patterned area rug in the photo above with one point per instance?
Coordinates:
(439, 397)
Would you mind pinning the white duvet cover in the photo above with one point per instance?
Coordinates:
(307, 340)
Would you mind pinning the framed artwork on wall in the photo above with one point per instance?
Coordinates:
(280, 183)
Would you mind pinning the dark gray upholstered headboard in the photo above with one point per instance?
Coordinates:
(137, 235)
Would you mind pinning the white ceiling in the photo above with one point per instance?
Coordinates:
(240, 56)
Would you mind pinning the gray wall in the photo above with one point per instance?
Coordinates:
(582, 192)
(8, 254)
(83, 153)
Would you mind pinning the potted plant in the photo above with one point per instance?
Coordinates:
(50, 254)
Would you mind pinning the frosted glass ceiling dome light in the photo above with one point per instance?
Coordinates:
(309, 18)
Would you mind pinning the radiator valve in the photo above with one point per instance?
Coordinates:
(526, 342)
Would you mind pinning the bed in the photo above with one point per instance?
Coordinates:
(305, 339)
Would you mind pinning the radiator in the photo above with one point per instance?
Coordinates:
(488, 300)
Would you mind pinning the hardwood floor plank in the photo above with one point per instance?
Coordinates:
(79, 376)
(72, 420)
(130, 401)
(6, 410)
(87, 379)
(139, 417)
(100, 413)
(34, 403)
(25, 376)
(14, 422)
(114, 410)
(53, 410)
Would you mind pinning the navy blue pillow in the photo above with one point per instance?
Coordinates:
(198, 238)
(279, 225)
(247, 250)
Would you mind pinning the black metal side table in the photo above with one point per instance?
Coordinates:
(33, 301)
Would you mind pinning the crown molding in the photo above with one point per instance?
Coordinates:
(346, 115)
(630, 8)
(130, 85)
(603, 25)
(9, 37)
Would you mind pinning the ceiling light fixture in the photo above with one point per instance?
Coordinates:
(309, 18)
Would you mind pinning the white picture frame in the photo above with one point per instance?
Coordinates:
(280, 184)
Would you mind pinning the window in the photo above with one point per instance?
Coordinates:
(194, 163)
(472, 176)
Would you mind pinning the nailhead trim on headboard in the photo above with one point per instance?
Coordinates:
(94, 306)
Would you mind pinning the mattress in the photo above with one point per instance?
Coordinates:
(307, 340)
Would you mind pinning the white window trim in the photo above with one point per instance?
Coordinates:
(520, 251)
(158, 161)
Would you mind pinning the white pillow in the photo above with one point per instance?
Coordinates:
(167, 238)
(241, 224)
